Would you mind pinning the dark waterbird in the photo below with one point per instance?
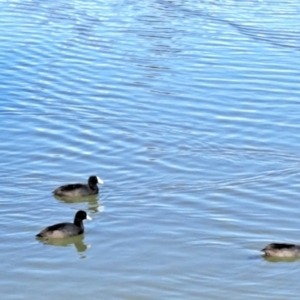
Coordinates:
(282, 250)
(65, 230)
(79, 189)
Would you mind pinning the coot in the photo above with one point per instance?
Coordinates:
(79, 189)
(64, 230)
(282, 250)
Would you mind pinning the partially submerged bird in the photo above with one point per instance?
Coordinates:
(64, 230)
(79, 189)
(282, 250)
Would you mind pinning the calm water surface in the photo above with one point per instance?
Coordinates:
(188, 111)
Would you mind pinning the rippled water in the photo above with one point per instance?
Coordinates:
(188, 111)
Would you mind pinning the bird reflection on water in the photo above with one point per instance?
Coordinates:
(93, 201)
(77, 241)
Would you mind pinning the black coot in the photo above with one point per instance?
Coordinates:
(79, 189)
(282, 250)
(64, 230)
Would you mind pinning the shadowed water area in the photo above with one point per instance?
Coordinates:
(189, 113)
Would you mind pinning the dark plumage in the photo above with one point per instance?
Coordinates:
(79, 189)
(282, 250)
(64, 230)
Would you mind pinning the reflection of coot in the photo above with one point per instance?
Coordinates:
(77, 241)
(93, 202)
(63, 230)
(79, 189)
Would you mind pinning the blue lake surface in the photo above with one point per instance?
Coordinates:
(189, 113)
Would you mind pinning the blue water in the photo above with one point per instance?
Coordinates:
(188, 111)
